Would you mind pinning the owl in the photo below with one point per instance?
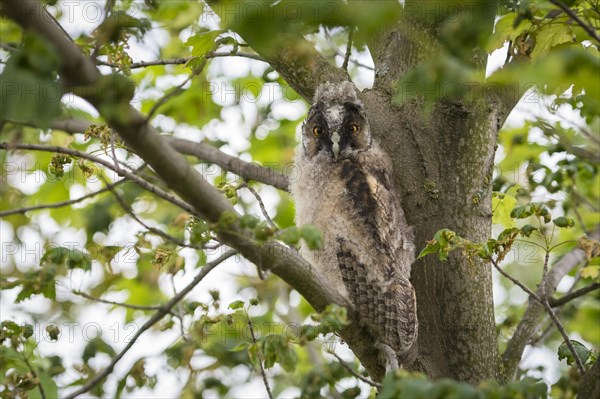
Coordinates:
(343, 188)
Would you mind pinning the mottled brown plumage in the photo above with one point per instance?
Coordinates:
(344, 189)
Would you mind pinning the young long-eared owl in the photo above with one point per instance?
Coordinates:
(345, 190)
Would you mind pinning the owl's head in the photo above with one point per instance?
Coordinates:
(336, 123)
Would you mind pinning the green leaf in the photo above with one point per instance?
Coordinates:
(253, 354)
(590, 272)
(312, 237)
(29, 89)
(527, 230)
(10, 358)
(565, 353)
(551, 35)
(202, 43)
(431, 248)
(443, 243)
(70, 257)
(563, 222)
(40, 281)
(240, 347)
(503, 205)
(276, 349)
(236, 305)
(48, 385)
(249, 221)
(520, 212)
(291, 235)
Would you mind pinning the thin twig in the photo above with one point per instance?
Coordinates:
(261, 205)
(556, 302)
(32, 370)
(69, 202)
(544, 301)
(516, 282)
(348, 48)
(338, 52)
(535, 313)
(185, 60)
(112, 150)
(202, 151)
(121, 304)
(59, 204)
(508, 52)
(164, 310)
(565, 336)
(260, 359)
(180, 308)
(167, 96)
(589, 29)
(551, 325)
(176, 90)
(354, 373)
(136, 179)
(555, 318)
(154, 230)
(7, 47)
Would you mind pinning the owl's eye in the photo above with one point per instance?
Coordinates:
(317, 130)
(354, 128)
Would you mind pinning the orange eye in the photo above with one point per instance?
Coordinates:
(317, 130)
(354, 128)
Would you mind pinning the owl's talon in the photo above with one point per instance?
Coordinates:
(391, 360)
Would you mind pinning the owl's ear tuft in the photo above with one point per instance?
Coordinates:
(336, 93)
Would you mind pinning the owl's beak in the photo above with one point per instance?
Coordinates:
(335, 139)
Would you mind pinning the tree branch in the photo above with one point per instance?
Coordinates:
(79, 68)
(555, 318)
(35, 375)
(164, 310)
(185, 60)
(300, 65)
(535, 312)
(261, 360)
(202, 151)
(542, 299)
(121, 172)
(348, 48)
(355, 374)
(156, 231)
(60, 204)
(246, 170)
(121, 304)
(261, 205)
(590, 385)
(556, 302)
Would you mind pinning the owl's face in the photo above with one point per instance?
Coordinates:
(336, 124)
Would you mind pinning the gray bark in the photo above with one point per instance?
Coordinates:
(590, 385)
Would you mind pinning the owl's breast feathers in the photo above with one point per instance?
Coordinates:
(377, 210)
(368, 247)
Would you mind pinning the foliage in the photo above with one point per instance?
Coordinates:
(404, 385)
(85, 242)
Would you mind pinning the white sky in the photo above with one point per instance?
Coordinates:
(81, 17)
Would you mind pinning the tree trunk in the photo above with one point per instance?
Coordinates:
(443, 170)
